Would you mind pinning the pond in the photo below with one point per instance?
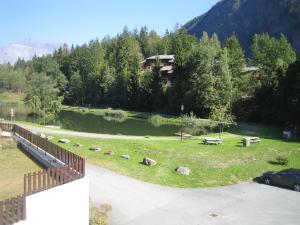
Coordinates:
(93, 123)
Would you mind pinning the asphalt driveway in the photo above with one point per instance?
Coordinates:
(136, 202)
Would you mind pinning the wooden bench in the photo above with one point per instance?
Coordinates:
(212, 141)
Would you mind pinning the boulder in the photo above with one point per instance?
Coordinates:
(49, 138)
(149, 162)
(64, 140)
(95, 149)
(185, 171)
(110, 153)
(78, 145)
(43, 135)
(127, 157)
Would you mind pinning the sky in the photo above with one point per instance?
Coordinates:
(78, 21)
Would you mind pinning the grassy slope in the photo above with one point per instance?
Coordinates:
(14, 164)
(8, 97)
(211, 165)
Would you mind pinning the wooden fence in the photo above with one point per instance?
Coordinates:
(58, 152)
(6, 126)
(14, 210)
(52, 177)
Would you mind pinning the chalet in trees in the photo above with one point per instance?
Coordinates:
(166, 65)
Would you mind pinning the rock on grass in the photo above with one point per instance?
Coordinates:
(149, 162)
(185, 171)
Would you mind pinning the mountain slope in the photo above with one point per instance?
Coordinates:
(25, 49)
(247, 17)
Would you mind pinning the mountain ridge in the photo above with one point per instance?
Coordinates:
(25, 49)
(244, 18)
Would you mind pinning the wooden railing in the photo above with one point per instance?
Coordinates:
(52, 177)
(14, 210)
(6, 126)
(58, 152)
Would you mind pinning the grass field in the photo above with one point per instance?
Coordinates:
(210, 166)
(14, 164)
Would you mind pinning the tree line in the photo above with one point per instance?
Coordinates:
(208, 76)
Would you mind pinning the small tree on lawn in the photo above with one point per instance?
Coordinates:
(223, 116)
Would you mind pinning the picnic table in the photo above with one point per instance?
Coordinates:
(212, 141)
(247, 141)
(184, 135)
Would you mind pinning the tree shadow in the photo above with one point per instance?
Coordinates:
(20, 147)
(260, 130)
(275, 163)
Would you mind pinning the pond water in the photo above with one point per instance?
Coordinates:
(93, 123)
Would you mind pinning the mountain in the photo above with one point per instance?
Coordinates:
(244, 18)
(25, 49)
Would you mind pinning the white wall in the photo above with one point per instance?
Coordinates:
(67, 204)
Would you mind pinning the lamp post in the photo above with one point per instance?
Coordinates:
(12, 114)
(182, 109)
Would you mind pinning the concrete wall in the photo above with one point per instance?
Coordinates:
(39, 154)
(67, 204)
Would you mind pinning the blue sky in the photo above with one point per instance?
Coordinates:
(78, 21)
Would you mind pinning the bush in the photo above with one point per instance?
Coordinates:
(156, 120)
(195, 126)
(99, 216)
(116, 115)
(282, 160)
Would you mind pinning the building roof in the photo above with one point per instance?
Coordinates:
(170, 57)
(250, 69)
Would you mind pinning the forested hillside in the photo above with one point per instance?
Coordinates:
(208, 77)
(244, 18)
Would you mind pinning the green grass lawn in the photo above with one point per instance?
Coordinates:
(210, 166)
(14, 164)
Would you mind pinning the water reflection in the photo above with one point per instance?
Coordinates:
(87, 122)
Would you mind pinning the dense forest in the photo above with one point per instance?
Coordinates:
(208, 77)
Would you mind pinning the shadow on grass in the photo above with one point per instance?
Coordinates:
(260, 130)
(275, 163)
(239, 145)
(19, 146)
(258, 180)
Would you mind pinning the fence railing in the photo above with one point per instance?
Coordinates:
(58, 152)
(12, 210)
(6, 126)
(45, 179)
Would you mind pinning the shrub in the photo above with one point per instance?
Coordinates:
(195, 126)
(282, 160)
(156, 120)
(116, 115)
(99, 216)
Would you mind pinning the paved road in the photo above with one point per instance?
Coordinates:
(48, 130)
(135, 202)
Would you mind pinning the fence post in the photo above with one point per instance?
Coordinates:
(48, 178)
(34, 182)
(25, 183)
(29, 183)
(39, 181)
(44, 179)
(23, 208)
(1, 213)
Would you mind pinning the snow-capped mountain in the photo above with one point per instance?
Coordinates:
(25, 49)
